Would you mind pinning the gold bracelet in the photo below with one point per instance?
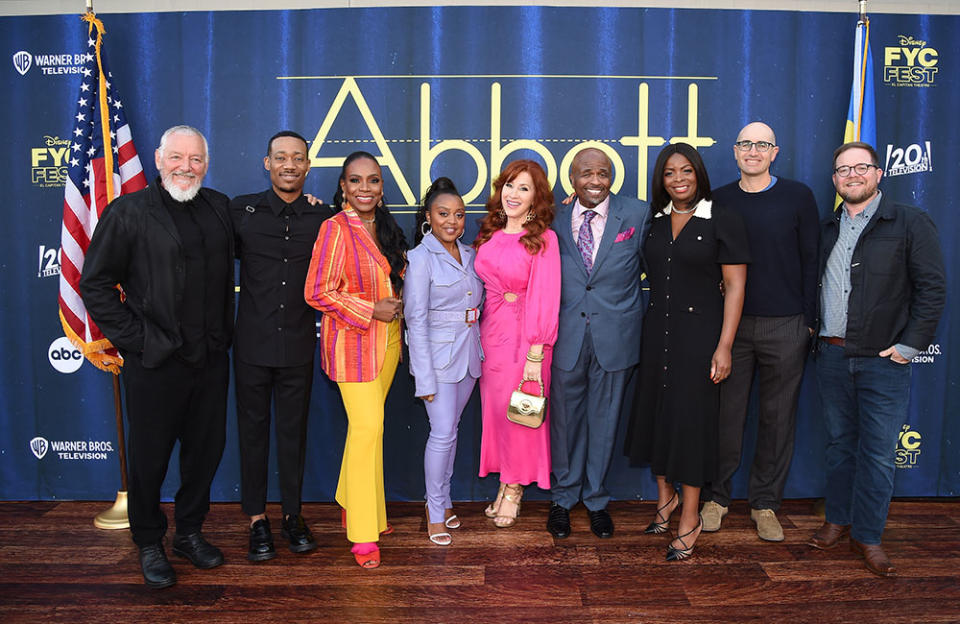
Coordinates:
(533, 357)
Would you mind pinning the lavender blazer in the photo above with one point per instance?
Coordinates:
(437, 291)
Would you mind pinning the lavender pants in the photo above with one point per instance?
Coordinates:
(444, 413)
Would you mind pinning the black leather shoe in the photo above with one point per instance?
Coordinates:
(199, 551)
(297, 531)
(558, 522)
(157, 571)
(261, 542)
(601, 523)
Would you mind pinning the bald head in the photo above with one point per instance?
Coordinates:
(754, 162)
(757, 131)
(591, 173)
(591, 153)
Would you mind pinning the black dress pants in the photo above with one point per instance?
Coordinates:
(776, 349)
(289, 388)
(172, 402)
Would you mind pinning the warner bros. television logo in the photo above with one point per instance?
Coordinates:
(39, 447)
(22, 61)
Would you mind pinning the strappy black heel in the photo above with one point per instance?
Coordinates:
(658, 528)
(677, 554)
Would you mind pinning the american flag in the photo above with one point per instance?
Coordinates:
(100, 143)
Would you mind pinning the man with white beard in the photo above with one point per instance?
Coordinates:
(170, 249)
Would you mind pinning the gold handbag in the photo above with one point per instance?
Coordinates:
(527, 409)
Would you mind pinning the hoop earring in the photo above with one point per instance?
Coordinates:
(530, 216)
(425, 223)
(501, 215)
(380, 203)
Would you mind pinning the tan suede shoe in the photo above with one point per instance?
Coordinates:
(768, 527)
(713, 514)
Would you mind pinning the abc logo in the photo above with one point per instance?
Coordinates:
(64, 357)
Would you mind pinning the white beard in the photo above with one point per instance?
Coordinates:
(178, 194)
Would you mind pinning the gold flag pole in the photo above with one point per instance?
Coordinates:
(116, 516)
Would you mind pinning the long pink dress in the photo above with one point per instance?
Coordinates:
(507, 329)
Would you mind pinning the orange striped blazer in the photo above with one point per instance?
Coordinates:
(347, 275)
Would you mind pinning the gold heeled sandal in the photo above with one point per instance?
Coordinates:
(491, 510)
(512, 494)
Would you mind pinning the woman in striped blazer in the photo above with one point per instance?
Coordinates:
(355, 279)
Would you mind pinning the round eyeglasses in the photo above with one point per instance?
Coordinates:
(860, 169)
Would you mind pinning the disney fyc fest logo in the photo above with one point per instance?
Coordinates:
(48, 163)
(910, 63)
(487, 161)
(71, 449)
(908, 448)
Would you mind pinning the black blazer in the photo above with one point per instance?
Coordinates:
(136, 245)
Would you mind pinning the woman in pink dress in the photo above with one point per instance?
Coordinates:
(519, 262)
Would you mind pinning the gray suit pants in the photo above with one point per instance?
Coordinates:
(584, 412)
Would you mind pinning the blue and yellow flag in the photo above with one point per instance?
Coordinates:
(862, 115)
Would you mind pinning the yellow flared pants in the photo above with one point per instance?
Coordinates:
(360, 489)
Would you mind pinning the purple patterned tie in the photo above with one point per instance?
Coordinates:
(585, 239)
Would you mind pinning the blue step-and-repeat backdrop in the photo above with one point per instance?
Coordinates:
(456, 92)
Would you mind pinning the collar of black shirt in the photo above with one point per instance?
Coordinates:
(277, 205)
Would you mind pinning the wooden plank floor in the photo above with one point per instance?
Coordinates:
(56, 567)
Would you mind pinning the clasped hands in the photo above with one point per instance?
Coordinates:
(387, 309)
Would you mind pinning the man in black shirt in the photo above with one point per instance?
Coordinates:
(275, 338)
(779, 313)
(170, 248)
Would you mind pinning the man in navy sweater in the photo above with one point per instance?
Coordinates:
(779, 314)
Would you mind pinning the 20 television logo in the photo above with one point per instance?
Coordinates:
(910, 63)
(64, 356)
(914, 158)
(48, 261)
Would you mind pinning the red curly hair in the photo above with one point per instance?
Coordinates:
(543, 211)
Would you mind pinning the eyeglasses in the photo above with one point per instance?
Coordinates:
(746, 146)
(860, 169)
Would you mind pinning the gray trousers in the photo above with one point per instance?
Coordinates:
(775, 348)
(584, 412)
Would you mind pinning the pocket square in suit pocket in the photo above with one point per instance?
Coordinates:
(624, 235)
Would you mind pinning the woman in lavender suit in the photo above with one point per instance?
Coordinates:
(441, 295)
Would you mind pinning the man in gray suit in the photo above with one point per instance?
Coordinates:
(601, 312)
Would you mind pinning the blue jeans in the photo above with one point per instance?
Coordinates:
(864, 402)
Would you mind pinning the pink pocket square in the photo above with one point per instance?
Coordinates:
(624, 235)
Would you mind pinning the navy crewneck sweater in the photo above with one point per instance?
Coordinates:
(783, 229)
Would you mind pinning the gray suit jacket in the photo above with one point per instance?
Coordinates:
(611, 296)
